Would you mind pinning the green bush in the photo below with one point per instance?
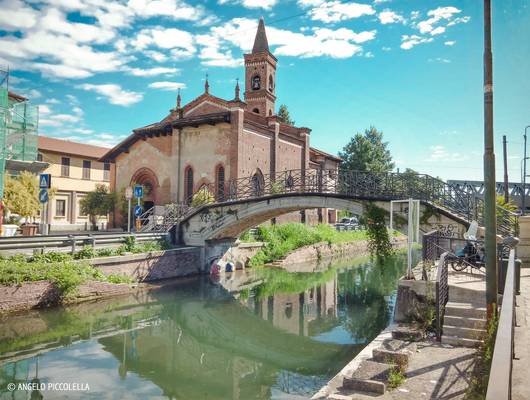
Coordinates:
(52, 256)
(85, 253)
(284, 238)
(129, 243)
(66, 275)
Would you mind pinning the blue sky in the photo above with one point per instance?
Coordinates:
(413, 69)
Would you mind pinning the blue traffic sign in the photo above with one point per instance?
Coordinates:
(137, 211)
(43, 196)
(45, 181)
(138, 192)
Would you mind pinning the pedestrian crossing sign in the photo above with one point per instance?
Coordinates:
(45, 181)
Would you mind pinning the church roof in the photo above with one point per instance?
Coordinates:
(261, 43)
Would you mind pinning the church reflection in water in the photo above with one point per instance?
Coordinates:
(245, 337)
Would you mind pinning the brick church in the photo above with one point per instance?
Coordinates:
(211, 140)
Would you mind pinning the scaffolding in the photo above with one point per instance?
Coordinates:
(18, 128)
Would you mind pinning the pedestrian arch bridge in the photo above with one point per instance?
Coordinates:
(224, 210)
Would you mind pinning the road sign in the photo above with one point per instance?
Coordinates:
(43, 196)
(138, 191)
(137, 211)
(128, 193)
(45, 181)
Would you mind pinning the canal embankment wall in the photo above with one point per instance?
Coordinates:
(145, 267)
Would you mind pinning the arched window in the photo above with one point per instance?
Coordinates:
(271, 84)
(258, 183)
(188, 184)
(220, 180)
(256, 110)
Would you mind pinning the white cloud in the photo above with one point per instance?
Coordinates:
(440, 60)
(439, 153)
(156, 55)
(168, 86)
(409, 41)
(44, 110)
(336, 11)
(16, 15)
(153, 71)
(52, 101)
(181, 43)
(450, 42)
(176, 9)
(265, 4)
(216, 46)
(114, 93)
(390, 17)
(436, 16)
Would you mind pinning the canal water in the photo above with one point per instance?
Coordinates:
(259, 334)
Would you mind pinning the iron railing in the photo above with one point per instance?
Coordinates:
(452, 199)
(500, 378)
(442, 293)
(72, 241)
(163, 218)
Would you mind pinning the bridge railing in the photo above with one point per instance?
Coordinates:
(500, 377)
(359, 184)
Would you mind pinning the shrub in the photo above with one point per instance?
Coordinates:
(85, 253)
(202, 197)
(52, 256)
(284, 238)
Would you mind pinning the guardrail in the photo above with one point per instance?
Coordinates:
(500, 378)
(73, 240)
(442, 293)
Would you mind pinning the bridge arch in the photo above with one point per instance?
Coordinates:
(229, 220)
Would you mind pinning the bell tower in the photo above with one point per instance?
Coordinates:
(260, 75)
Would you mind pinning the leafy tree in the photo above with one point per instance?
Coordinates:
(202, 197)
(21, 194)
(367, 152)
(96, 203)
(284, 116)
(378, 239)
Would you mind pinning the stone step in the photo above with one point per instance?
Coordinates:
(471, 310)
(407, 333)
(394, 351)
(371, 376)
(460, 342)
(465, 333)
(465, 322)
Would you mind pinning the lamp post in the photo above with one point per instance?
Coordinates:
(490, 217)
(523, 183)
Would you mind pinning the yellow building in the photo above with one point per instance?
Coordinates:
(75, 171)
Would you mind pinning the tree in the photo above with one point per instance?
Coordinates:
(367, 152)
(21, 194)
(284, 116)
(96, 203)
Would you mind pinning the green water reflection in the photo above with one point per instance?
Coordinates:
(257, 335)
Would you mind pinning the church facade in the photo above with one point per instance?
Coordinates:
(210, 141)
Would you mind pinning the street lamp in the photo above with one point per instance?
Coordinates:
(523, 202)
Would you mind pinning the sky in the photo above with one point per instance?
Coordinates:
(413, 69)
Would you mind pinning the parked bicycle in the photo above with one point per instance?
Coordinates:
(471, 255)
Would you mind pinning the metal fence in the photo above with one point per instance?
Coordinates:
(360, 185)
(442, 293)
(500, 378)
(71, 242)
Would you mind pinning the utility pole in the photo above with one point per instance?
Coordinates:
(505, 156)
(523, 200)
(490, 218)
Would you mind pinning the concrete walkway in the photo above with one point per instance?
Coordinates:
(521, 364)
(437, 371)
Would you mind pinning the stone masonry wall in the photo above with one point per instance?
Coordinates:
(152, 266)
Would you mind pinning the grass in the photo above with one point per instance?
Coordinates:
(395, 377)
(282, 239)
(67, 275)
(481, 373)
(68, 271)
